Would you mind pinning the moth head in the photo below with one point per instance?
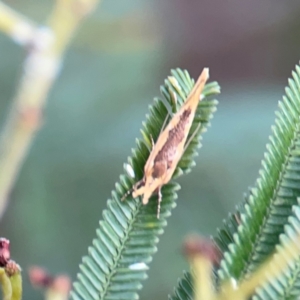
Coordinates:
(138, 188)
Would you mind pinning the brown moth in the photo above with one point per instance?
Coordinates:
(169, 147)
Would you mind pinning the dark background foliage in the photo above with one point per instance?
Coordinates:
(111, 73)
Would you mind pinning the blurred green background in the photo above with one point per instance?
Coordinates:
(111, 73)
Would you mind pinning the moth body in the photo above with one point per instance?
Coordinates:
(169, 147)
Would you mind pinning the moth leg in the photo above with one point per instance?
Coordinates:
(162, 128)
(164, 123)
(159, 202)
(191, 137)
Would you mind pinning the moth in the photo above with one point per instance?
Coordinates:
(169, 147)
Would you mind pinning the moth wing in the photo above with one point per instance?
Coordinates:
(191, 102)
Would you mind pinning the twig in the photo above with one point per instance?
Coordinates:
(40, 70)
(55, 287)
(203, 254)
(272, 268)
(16, 26)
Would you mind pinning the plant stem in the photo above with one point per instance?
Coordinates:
(16, 26)
(5, 285)
(202, 279)
(40, 71)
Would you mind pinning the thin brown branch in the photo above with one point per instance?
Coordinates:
(40, 70)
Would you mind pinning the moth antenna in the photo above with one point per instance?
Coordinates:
(127, 194)
(136, 186)
(159, 202)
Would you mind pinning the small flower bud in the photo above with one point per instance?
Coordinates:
(62, 284)
(39, 277)
(197, 246)
(12, 268)
(4, 251)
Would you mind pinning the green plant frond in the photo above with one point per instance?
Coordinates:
(287, 286)
(225, 235)
(127, 236)
(269, 204)
(252, 233)
(184, 290)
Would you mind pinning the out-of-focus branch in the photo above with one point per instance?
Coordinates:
(273, 267)
(55, 287)
(13, 271)
(202, 254)
(10, 274)
(5, 285)
(40, 70)
(16, 26)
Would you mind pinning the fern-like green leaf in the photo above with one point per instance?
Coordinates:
(270, 202)
(252, 233)
(184, 290)
(287, 286)
(128, 234)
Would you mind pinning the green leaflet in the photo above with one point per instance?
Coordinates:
(269, 204)
(287, 286)
(184, 290)
(246, 240)
(127, 236)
